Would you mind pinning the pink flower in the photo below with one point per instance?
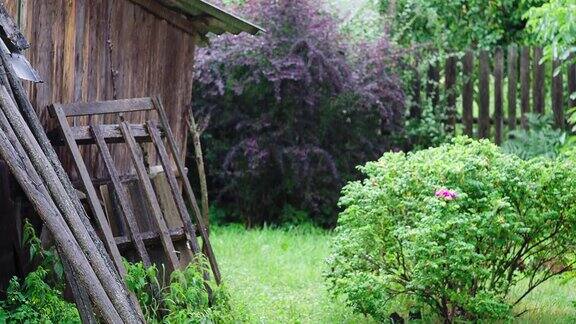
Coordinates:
(446, 194)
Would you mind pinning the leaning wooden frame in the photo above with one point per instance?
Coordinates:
(132, 135)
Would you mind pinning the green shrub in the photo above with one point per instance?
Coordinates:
(183, 299)
(451, 230)
(38, 298)
(35, 301)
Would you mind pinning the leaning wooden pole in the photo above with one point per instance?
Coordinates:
(199, 156)
(65, 193)
(80, 295)
(22, 169)
(29, 114)
(115, 290)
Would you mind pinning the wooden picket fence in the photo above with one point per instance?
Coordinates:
(486, 94)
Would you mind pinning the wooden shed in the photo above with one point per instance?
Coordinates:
(92, 50)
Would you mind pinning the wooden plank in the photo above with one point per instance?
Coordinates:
(174, 187)
(484, 96)
(498, 96)
(524, 85)
(416, 107)
(117, 224)
(557, 96)
(176, 155)
(450, 74)
(111, 134)
(123, 201)
(572, 81)
(512, 85)
(107, 107)
(468, 93)
(150, 197)
(150, 238)
(88, 187)
(538, 86)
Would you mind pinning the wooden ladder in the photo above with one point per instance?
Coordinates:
(131, 135)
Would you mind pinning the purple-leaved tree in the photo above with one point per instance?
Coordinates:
(288, 114)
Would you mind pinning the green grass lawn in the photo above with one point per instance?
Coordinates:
(276, 277)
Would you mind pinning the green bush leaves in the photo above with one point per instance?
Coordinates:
(451, 230)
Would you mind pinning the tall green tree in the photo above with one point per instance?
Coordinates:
(459, 24)
(554, 24)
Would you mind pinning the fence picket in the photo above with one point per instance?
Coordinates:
(468, 93)
(512, 85)
(484, 96)
(557, 96)
(524, 85)
(450, 83)
(432, 85)
(498, 102)
(538, 84)
(572, 81)
(416, 108)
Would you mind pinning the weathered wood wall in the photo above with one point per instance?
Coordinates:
(88, 50)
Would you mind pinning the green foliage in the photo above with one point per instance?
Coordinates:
(541, 139)
(427, 131)
(39, 297)
(34, 301)
(460, 24)
(183, 299)
(554, 24)
(453, 230)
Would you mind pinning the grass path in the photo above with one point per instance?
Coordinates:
(276, 276)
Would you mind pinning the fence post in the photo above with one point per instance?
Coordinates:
(538, 85)
(484, 99)
(450, 82)
(557, 96)
(572, 79)
(525, 85)
(416, 108)
(512, 85)
(468, 93)
(498, 102)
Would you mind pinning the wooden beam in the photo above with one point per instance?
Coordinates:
(88, 187)
(123, 200)
(105, 107)
(174, 187)
(111, 134)
(150, 196)
(188, 189)
(150, 238)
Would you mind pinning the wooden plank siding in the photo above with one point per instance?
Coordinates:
(102, 50)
